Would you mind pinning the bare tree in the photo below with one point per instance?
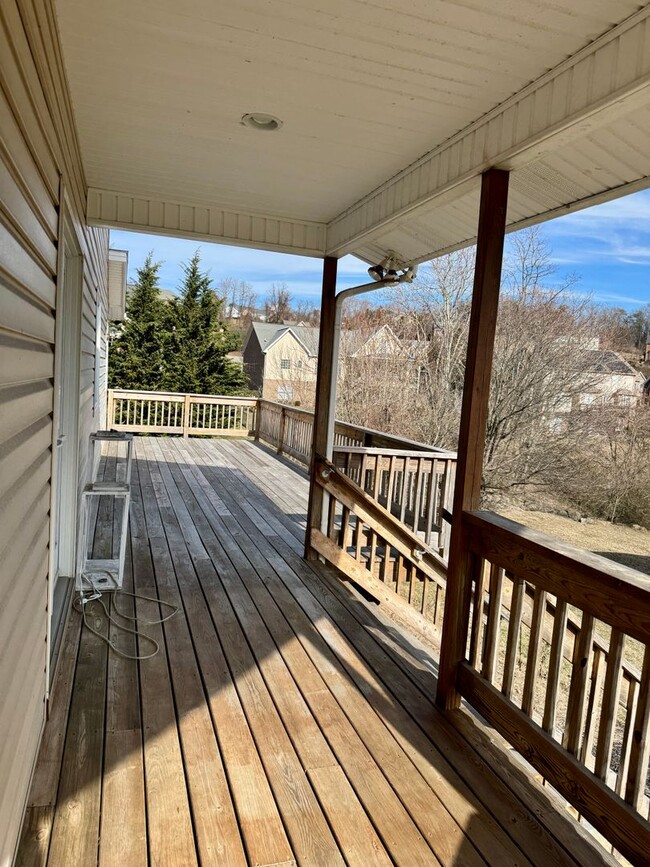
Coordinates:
(278, 303)
(538, 373)
(613, 480)
(304, 312)
(239, 303)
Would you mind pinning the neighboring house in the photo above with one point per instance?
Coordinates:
(237, 311)
(379, 342)
(381, 349)
(280, 361)
(165, 294)
(611, 380)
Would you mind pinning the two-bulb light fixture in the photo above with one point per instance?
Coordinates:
(392, 269)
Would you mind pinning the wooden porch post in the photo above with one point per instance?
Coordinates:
(471, 441)
(327, 364)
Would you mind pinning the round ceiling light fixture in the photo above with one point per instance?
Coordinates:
(261, 121)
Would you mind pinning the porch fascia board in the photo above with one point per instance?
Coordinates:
(215, 223)
(605, 80)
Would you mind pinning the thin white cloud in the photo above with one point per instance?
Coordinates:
(618, 231)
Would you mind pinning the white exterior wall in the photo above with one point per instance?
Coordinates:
(297, 382)
(38, 158)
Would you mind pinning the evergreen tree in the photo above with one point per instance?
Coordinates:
(196, 362)
(136, 355)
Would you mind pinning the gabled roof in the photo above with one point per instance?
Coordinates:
(379, 341)
(607, 361)
(268, 333)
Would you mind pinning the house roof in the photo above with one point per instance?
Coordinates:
(268, 333)
(391, 111)
(607, 361)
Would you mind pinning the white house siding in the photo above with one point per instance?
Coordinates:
(296, 381)
(37, 150)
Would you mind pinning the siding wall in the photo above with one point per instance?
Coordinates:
(38, 149)
(254, 362)
(297, 383)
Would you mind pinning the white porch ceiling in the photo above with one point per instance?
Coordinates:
(391, 110)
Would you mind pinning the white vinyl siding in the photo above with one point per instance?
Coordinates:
(38, 150)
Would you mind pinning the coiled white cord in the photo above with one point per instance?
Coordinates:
(83, 600)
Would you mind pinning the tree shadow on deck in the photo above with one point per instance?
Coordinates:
(282, 717)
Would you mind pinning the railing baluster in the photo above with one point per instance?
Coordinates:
(417, 495)
(480, 571)
(432, 484)
(610, 704)
(426, 588)
(331, 516)
(597, 670)
(403, 491)
(534, 644)
(372, 535)
(628, 729)
(345, 528)
(640, 746)
(358, 539)
(514, 629)
(493, 635)
(554, 666)
(410, 577)
(582, 656)
(399, 573)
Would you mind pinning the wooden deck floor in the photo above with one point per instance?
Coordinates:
(283, 719)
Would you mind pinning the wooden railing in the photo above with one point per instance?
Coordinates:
(376, 550)
(185, 414)
(290, 430)
(412, 485)
(416, 487)
(557, 660)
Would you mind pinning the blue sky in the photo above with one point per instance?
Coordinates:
(607, 247)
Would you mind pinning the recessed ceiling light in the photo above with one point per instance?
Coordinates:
(260, 120)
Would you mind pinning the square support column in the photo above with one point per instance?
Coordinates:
(324, 409)
(473, 421)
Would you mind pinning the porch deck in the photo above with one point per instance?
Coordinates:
(283, 720)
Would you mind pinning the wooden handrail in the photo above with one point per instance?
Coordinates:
(574, 754)
(614, 593)
(367, 437)
(379, 519)
(175, 413)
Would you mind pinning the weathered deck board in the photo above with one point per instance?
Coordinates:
(283, 721)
